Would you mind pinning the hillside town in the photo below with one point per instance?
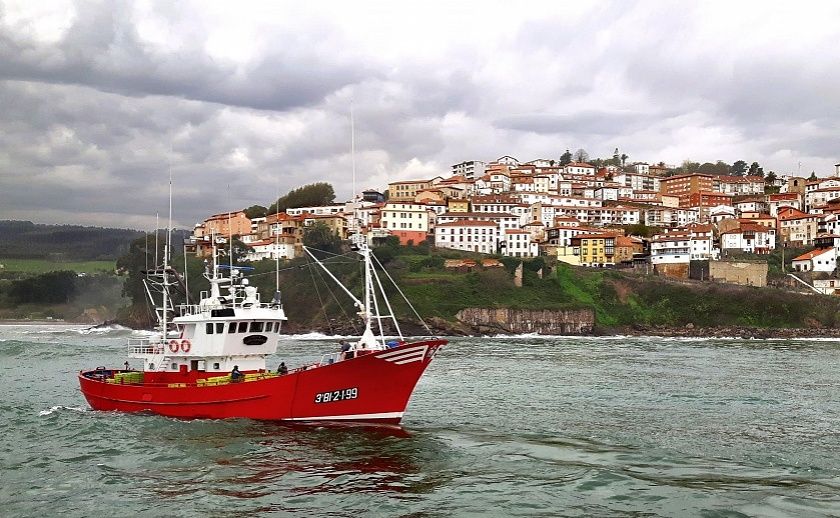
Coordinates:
(577, 212)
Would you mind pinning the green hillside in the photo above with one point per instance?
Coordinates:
(619, 299)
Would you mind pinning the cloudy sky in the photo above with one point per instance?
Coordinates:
(98, 100)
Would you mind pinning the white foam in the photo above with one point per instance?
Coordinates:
(59, 407)
(311, 336)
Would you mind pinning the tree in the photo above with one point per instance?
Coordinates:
(581, 155)
(47, 288)
(624, 158)
(322, 237)
(566, 158)
(256, 211)
(770, 178)
(738, 168)
(718, 168)
(688, 167)
(311, 195)
(813, 176)
(756, 170)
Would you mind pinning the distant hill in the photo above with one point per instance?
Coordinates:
(27, 240)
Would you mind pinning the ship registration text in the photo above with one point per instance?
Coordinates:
(337, 395)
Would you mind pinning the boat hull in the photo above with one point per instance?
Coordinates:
(373, 387)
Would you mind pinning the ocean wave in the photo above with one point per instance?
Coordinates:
(311, 336)
(81, 330)
(56, 408)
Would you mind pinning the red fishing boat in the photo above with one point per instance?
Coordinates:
(209, 361)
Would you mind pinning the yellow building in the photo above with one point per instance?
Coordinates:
(595, 249)
(565, 254)
(336, 223)
(456, 205)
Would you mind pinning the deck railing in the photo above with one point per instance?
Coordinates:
(186, 310)
(145, 346)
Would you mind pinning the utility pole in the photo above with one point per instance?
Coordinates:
(784, 245)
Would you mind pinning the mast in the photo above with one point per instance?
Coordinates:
(164, 324)
(353, 156)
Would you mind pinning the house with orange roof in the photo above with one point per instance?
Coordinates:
(749, 237)
(234, 223)
(823, 195)
(522, 184)
(797, 227)
(536, 229)
(781, 200)
(819, 260)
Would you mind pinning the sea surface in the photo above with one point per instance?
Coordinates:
(515, 426)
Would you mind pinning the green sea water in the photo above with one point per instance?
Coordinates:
(520, 426)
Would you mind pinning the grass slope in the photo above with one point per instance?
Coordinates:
(37, 266)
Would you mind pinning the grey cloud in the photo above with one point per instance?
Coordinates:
(589, 122)
(103, 50)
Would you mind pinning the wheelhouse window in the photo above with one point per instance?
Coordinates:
(243, 327)
(220, 327)
(209, 328)
(256, 327)
(232, 327)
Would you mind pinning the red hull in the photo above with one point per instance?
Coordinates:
(375, 387)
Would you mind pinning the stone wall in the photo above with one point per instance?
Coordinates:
(675, 270)
(747, 273)
(542, 321)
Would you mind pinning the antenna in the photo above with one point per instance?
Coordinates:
(157, 226)
(353, 151)
(277, 241)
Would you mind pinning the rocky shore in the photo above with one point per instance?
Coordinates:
(690, 331)
(442, 327)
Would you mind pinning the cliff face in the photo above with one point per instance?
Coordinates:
(542, 321)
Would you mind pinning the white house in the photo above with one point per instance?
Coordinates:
(270, 249)
(671, 248)
(470, 169)
(819, 260)
(750, 237)
(468, 235)
(518, 244)
(581, 168)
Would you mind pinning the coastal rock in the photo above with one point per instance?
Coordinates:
(515, 321)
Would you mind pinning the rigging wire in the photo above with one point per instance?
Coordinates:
(323, 306)
(410, 305)
(337, 302)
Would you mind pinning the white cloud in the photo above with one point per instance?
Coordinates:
(101, 99)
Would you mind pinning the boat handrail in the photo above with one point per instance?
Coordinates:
(186, 310)
(329, 359)
(146, 346)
